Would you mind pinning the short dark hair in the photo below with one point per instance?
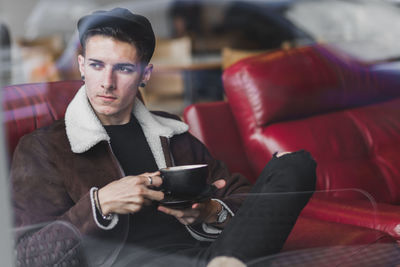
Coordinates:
(122, 25)
(143, 50)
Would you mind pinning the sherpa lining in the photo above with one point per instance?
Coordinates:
(84, 129)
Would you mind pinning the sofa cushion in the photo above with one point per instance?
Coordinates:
(361, 212)
(296, 83)
(223, 141)
(313, 233)
(354, 148)
(312, 98)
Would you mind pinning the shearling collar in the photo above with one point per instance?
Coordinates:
(84, 129)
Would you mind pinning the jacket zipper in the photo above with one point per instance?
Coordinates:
(122, 174)
(116, 162)
(170, 152)
(166, 149)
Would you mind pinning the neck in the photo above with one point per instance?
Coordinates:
(114, 120)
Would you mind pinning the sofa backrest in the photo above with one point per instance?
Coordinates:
(291, 84)
(30, 106)
(213, 124)
(316, 99)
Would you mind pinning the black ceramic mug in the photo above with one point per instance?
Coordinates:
(185, 180)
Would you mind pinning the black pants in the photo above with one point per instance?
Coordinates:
(266, 217)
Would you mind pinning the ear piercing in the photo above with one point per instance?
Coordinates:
(142, 84)
(83, 77)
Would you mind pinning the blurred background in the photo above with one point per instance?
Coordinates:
(196, 39)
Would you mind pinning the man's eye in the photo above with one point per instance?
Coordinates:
(95, 65)
(125, 69)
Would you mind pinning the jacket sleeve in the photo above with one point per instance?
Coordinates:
(39, 198)
(38, 191)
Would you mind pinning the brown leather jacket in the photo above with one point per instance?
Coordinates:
(52, 174)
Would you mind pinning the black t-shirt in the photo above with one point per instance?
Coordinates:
(148, 227)
(131, 148)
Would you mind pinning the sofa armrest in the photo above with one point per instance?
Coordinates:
(213, 124)
(379, 216)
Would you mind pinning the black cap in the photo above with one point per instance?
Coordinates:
(134, 24)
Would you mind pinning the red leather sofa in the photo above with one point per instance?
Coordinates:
(345, 112)
(29, 106)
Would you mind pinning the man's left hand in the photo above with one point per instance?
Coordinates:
(199, 212)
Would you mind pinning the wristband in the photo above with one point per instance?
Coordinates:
(108, 217)
(222, 215)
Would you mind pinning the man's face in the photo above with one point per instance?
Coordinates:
(113, 72)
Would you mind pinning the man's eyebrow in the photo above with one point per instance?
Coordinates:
(95, 60)
(125, 65)
(118, 64)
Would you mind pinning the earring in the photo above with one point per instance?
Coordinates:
(142, 84)
(83, 77)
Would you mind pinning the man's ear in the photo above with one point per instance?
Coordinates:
(147, 73)
(81, 62)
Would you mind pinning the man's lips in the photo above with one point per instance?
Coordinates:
(107, 97)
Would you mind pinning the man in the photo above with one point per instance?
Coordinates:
(97, 172)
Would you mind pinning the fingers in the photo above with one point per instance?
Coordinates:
(173, 212)
(142, 190)
(130, 193)
(134, 205)
(151, 178)
(153, 194)
(219, 183)
(198, 206)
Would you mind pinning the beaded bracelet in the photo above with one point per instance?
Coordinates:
(97, 202)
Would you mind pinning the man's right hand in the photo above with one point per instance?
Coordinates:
(130, 193)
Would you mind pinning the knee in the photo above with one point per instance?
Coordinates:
(304, 166)
(292, 171)
(221, 261)
(280, 154)
(299, 170)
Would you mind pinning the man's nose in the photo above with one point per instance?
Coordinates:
(108, 80)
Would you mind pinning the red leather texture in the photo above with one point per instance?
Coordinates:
(354, 148)
(297, 83)
(379, 216)
(312, 233)
(30, 106)
(264, 94)
(223, 141)
(346, 113)
(213, 124)
(318, 243)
